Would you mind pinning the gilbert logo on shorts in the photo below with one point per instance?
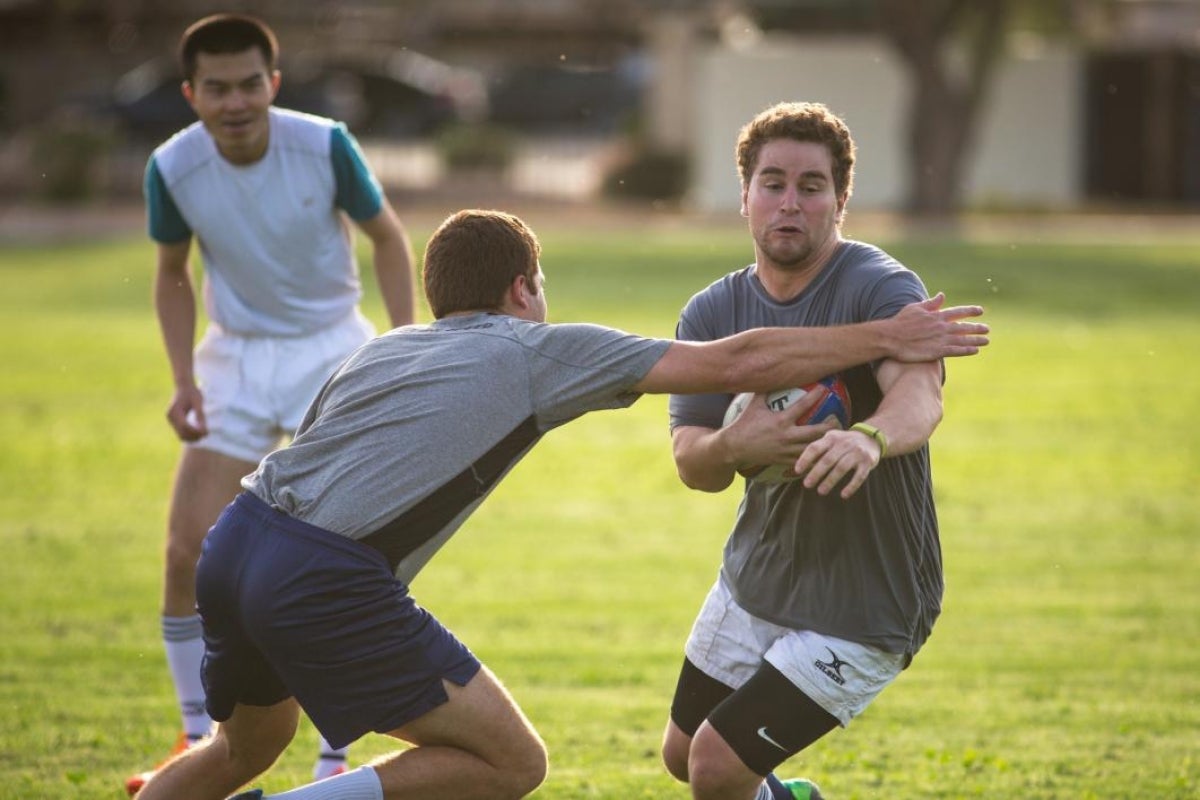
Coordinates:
(832, 668)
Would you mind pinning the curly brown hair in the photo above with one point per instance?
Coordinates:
(804, 122)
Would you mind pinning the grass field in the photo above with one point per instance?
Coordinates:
(1066, 663)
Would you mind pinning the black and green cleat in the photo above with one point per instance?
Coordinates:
(803, 789)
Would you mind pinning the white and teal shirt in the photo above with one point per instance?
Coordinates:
(278, 254)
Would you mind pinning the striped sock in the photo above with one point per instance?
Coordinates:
(330, 760)
(183, 639)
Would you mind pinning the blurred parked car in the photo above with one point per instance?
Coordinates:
(393, 94)
(568, 100)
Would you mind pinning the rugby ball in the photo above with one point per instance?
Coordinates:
(836, 405)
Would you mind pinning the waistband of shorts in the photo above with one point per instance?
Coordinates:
(252, 505)
(353, 317)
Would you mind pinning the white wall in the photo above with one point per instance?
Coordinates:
(1030, 145)
(1029, 149)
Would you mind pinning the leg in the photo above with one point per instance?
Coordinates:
(244, 746)
(277, 595)
(726, 736)
(716, 771)
(765, 722)
(477, 745)
(676, 748)
(205, 482)
(696, 695)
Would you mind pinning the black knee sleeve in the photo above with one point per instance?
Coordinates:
(696, 695)
(768, 720)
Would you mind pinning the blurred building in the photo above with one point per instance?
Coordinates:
(1106, 109)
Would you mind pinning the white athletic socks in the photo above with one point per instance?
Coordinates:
(359, 784)
(330, 760)
(184, 642)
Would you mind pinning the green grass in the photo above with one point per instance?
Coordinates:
(1065, 664)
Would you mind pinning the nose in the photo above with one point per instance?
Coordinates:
(790, 201)
(235, 100)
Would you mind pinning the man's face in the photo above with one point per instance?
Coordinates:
(231, 93)
(792, 205)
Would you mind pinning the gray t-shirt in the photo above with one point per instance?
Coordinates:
(867, 569)
(417, 427)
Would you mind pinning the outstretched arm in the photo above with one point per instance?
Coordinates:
(765, 359)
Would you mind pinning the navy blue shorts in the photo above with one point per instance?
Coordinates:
(290, 609)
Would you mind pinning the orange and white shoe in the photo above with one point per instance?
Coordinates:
(134, 783)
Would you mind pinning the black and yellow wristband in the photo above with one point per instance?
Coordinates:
(879, 436)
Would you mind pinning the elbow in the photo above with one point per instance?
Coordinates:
(923, 428)
(935, 418)
(703, 482)
(688, 481)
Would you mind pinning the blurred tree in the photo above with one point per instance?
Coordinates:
(952, 49)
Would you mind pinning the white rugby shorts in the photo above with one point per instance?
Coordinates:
(257, 388)
(729, 644)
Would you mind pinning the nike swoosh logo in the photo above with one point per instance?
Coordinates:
(762, 734)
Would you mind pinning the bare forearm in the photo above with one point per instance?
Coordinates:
(774, 358)
(702, 460)
(175, 306)
(765, 359)
(394, 273)
(393, 258)
(911, 408)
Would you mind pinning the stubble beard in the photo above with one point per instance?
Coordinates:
(787, 258)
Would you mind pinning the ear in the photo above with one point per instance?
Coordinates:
(276, 80)
(841, 206)
(516, 297)
(189, 93)
(745, 198)
(523, 290)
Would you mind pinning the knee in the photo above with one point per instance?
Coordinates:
(715, 771)
(254, 758)
(252, 750)
(675, 756)
(182, 552)
(527, 770)
(711, 781)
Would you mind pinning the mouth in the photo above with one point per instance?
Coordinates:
(236, 125)
(787, 230)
